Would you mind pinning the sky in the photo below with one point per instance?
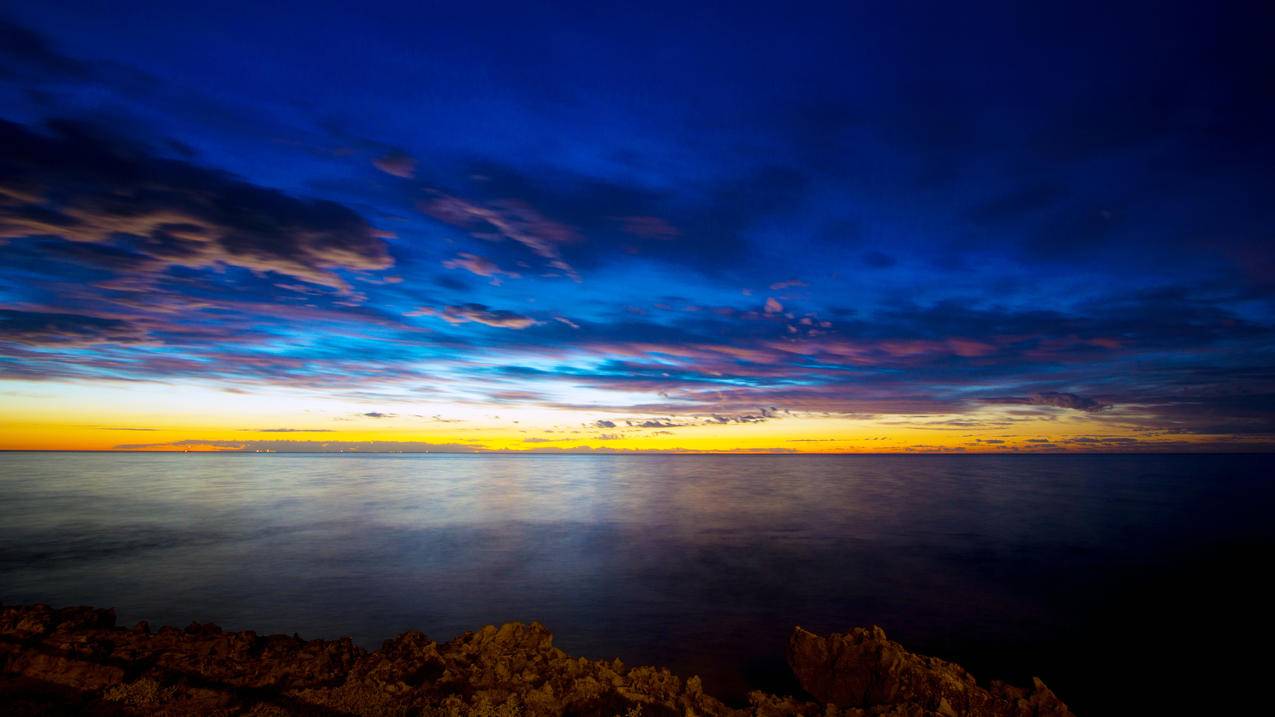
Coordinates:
(612, 227)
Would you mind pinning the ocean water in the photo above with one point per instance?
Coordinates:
(1128, 583)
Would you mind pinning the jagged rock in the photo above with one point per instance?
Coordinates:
(75, 660)
(863, 668)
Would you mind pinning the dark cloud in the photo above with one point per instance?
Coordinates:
(1205, 408)
(286, 430)
(566, 222)
(1066, 400)
(764, 414)
(23, 51)
(603, 423)
(79, 184)
(448, 281)
(1053, 399)
(655, 423)
(399, 164)
(35, 327)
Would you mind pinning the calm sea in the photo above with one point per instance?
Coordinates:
(1128, 583)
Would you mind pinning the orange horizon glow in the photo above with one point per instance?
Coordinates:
(146, 417)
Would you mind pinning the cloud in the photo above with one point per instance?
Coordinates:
(603, 423)
(509, 219)
(649, 227)
(1053, 399)
(787, 283)
(286, 446)
(378, 414)
(477, 313)
(1066, 400)
(24, 51)
(38, 327)
(399, 164)
(447, 281)
(655, 423)
(289, 446)
(81, 185)
(573, 222)
(1100, 440)
(475, 264)
(154, 283)
(287, 430)
(515, 396)
(763, 414)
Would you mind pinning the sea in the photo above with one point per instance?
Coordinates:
(1131, 584)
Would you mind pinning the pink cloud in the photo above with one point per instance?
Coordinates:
(477, 313)
(649, 227)
(507, 219)
(477, 265)
(398, 164)
(781, 285)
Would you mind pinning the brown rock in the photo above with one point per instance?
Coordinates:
(864, 669)
(75, 660)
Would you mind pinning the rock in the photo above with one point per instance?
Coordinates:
(75, 660)
(864, 669)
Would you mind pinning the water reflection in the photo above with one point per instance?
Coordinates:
(1008, 564)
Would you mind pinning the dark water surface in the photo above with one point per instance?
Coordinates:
(1128, 583)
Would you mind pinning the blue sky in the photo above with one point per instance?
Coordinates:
(709, 216)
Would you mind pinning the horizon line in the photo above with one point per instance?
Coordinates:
(657, 453)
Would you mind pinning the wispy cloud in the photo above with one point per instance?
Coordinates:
(287, 430)
(398, 164)
(477, 313)
(507, 219)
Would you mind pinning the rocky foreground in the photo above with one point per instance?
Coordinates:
(76, 661)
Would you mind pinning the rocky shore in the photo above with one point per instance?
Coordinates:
(77, 661)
